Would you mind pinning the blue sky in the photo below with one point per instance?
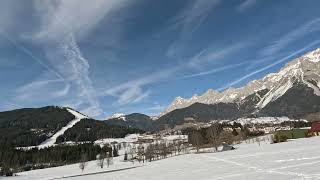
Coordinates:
(110, 56)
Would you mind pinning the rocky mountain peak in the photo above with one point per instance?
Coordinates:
(305, 69)
(313, 56)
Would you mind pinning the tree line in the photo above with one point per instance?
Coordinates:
(16, 160)
(214, 136)
(92, 130)
(147, 152)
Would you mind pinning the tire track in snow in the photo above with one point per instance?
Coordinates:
(261, 170)
(266, 153)
(297, 165)
(297, 159)
(95, 173)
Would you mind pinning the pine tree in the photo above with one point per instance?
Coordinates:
(125, 156)
(115, 152)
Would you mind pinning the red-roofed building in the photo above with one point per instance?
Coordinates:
(315, 129)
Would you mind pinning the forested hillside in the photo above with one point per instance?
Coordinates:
(135, 120)
(91, 130)
(31, 126)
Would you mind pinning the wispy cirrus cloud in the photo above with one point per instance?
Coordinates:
(26, 51)
(38, 84)
(156, 109)
(57, 16)
(133, 95)
(51, 89)
(301, 31)
(246, 4)
(210, 55)
(61, 24)
(68, 60)
(292, 55)
(32, 89)
(194, 14)
(133, 90)
(272, 51)
(10, 105)
(214, 70)
(10, 12)
(68, 63)
(188, 21)
(275, 49)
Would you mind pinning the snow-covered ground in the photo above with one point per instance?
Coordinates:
(128, 139)
(52, 139)
(296, 159)
(175, 137)
(131, 138)
(265, 120)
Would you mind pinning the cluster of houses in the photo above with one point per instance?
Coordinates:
(281, 130)
(295, 133)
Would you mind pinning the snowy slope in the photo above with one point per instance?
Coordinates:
(52, 139)
(297, 159)
(73, 169)
(119, 116)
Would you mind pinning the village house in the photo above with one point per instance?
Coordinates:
(315, 129)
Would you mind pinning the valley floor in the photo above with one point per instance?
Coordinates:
(296, 159)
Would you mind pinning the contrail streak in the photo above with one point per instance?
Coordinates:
(29, 53)
(268, 66)
(219, 69)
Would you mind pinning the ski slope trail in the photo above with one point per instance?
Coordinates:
(51, 141)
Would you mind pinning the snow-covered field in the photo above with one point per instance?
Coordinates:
(296, 159)
(129, 139)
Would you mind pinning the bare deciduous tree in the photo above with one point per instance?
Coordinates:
(196, 139)
(213, 133)
(83, 161)
(226, 137)
(100, 159)
(109, 158)
(258, 140)
(141, 153)
(150, 152)
(131, 153)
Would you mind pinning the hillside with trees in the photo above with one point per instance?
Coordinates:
(91, 130)
(135, 120)
(31, 126)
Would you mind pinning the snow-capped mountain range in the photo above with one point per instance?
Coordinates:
(305, 70)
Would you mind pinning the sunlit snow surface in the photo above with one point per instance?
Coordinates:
(297, 159)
